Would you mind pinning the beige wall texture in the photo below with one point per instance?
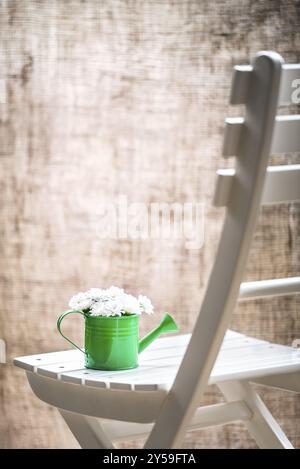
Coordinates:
(105, 98)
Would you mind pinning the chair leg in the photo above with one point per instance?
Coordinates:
(262, 426)
(88, 431)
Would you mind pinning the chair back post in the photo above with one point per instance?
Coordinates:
(261, 98)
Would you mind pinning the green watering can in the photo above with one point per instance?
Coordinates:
(112, 343)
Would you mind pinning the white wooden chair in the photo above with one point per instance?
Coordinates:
(162, 398)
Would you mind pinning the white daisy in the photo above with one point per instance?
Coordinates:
(145, 304)
(131, 304)
(115, 292)
(95, 294)
(112, 301)
(80, 301)
(106, 308)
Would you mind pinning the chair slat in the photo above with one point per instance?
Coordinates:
(240, 357)
(288, 87)
(54, 371)
(282, 184)
(286, 136)
(223, 187)
(274, 287)
(233, 132)
(31, 362)
(290, 82)
(240, 83)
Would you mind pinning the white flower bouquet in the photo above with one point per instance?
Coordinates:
(112, 301)
(111, 319)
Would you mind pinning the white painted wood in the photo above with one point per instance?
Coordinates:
(54, 371)
(262, 426)
(285, 138)
(234, 127)
(290, 81)
(128, 406)
(242, 77)
(240, 357)
(282, 184)
(207, 416)
(274, 287)
(222, 291)
(88, 431)
(286, 381)
(224, 184)
(31, 362)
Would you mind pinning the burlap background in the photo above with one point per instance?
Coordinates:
(125, 97)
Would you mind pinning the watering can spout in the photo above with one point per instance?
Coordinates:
(167, 325)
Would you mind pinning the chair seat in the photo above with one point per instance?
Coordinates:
(241, 357)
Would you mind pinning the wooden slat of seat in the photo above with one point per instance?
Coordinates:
(240, 357)
(69, 365)
(149, 362)
(31, 362)
(150, 368)
(168, 341)
(55, 370)
(282, 184)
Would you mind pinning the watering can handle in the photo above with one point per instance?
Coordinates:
(59, 321)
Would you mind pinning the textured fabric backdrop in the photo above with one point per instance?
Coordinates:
(125, 97)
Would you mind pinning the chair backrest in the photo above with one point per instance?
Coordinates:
(250, 139)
